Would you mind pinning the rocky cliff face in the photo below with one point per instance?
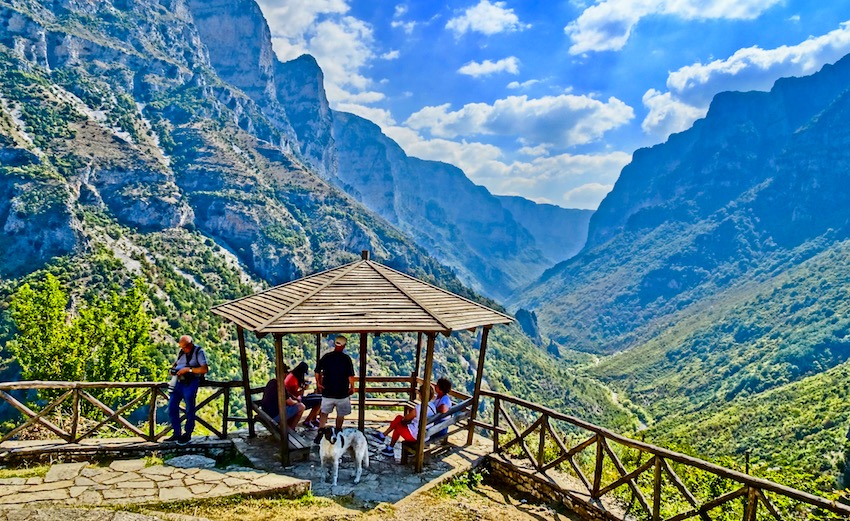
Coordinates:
(300, 87)
(761, 179)
(559, 232)
(458, 222)
(734, 149)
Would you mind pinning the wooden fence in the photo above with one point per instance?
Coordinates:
(78, 396)
(650, 478)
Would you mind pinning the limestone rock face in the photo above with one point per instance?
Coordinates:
(559, 232)
(458, 222)
(300, 88)
(37, 224)
(239, 42)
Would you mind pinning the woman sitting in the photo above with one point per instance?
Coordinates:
(295, 383)
(407, 426)
(442, 402)
(269, 404)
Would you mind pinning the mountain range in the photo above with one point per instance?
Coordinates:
(164, 141)
(716, 269)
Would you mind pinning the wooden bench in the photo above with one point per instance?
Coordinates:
(299, 448)
(435, 438)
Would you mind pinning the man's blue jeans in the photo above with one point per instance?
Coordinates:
(185, 391)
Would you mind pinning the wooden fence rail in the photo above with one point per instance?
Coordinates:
(648, 481)
(78, 396)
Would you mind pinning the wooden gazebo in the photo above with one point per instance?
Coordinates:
(361, 297)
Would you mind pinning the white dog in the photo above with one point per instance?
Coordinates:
(335, 443)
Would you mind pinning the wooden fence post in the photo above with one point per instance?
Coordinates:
(75, 415)
(226, 414)
(542, 447)
(656, 490)
(497, 403)
(597, 472)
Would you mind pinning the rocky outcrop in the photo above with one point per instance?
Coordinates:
(300, 88)
(37, 224)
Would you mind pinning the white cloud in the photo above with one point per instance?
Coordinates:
(607, 25)
(667, 114)
(400, 11)
(587, 196)
(564, 120)
(486, 18)
(392, 55)
(539, 150)
(538, 179)
(524, 85)
(291, 20)
(407, 27)
(754, 68)
(691, 88)
(487, 67)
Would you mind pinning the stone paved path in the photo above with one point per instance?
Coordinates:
(385, 481)
(131, 481)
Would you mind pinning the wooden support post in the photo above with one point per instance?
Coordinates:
(656, 491)
(152, 414)
(541, 448)
(479, 374)
(318, 348)
(597, 471)
(246, 380)
(415, 374)
(226, 415)
(361, 391)
(281, 399)
(423, 407)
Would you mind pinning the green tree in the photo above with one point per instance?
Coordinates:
(109, 339)
(42, 346)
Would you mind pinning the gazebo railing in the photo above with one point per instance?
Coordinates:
(664, 483)
(88, 414)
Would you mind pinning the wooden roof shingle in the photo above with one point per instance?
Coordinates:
(364, 296)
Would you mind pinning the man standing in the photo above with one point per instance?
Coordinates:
(189, 368)
(335, 380)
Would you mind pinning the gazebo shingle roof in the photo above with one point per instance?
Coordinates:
(363, 296)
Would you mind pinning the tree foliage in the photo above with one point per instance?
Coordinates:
(108, 339)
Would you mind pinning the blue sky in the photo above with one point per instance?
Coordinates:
(548, 99)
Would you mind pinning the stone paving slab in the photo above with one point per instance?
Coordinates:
(130, 481)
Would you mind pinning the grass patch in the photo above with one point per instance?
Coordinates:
(153, 460)
(28, 472)
(460, 484)
(242, 508)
